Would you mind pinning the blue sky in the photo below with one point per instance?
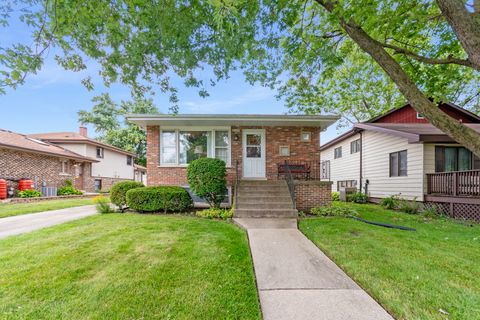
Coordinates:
(49, 100)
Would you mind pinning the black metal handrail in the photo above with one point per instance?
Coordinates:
(290, 183)
(237, 182)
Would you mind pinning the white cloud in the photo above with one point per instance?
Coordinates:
(226, 105)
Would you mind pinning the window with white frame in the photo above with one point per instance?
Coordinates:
(337, 153)
(181, 147)
(100, 152)
(355, 146)
(65, 167)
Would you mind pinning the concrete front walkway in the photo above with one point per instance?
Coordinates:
(29, 222)
(298, 281)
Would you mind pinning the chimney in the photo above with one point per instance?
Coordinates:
(83, 131)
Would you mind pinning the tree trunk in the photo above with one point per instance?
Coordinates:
(453, 128)
(466, 26)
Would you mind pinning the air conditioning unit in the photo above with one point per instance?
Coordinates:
(344, 192)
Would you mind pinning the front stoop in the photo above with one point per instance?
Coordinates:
(264, 199)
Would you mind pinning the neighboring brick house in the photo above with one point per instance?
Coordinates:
(22, 157)
(258, 145)
(112, 164)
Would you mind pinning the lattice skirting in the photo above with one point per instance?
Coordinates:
(463, 211)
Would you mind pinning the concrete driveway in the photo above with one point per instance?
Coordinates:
(29, 222)
(298, 281)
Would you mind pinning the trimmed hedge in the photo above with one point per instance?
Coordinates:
(159, 198)
(119, 190)
(206, 178)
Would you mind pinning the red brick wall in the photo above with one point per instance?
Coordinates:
(311, 194)
(275, 137)
(409, 115)
(16, 165)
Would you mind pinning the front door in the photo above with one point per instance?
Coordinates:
(254, 153)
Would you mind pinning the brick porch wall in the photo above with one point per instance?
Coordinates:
(275, 137)
(311, 194)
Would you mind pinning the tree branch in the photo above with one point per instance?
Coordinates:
(453, 128)
(418, 57)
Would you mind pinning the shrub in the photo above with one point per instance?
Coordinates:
(357, 197)
(333, 211)
(215, 213)
(119, 190)
(30, 193)
(410, 207)
(159, 198)
(335, 196)
(102, 204)
(67, 191)
(206, 177)
(68, 183)
(390, 202)
(431, 213)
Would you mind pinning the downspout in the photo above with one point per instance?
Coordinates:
(361, 160)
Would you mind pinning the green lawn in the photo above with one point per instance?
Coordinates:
(413, 275)
(14, 209)
(129, 266)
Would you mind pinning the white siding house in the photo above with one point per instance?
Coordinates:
(376, 166)
(345, 167)
(111, 164)
(375, 163)
(402, 154)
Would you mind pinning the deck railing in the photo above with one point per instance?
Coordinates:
(304, 170)
(455, 184)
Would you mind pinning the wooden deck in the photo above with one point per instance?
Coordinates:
(456, 193)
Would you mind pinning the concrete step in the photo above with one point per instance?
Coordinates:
(263, 188)
(277, 193)
(262, 182)
(265, 213)
(259, 198)
(264, 205)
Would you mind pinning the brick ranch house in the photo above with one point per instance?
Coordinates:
(22, 157)
(111, 164)
(401, 153)
(254, 147)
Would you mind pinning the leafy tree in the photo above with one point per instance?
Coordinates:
(355, 57)
(108, 119)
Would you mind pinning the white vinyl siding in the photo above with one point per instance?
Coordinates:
(345, 168)
(376, 166)
(112, 165)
